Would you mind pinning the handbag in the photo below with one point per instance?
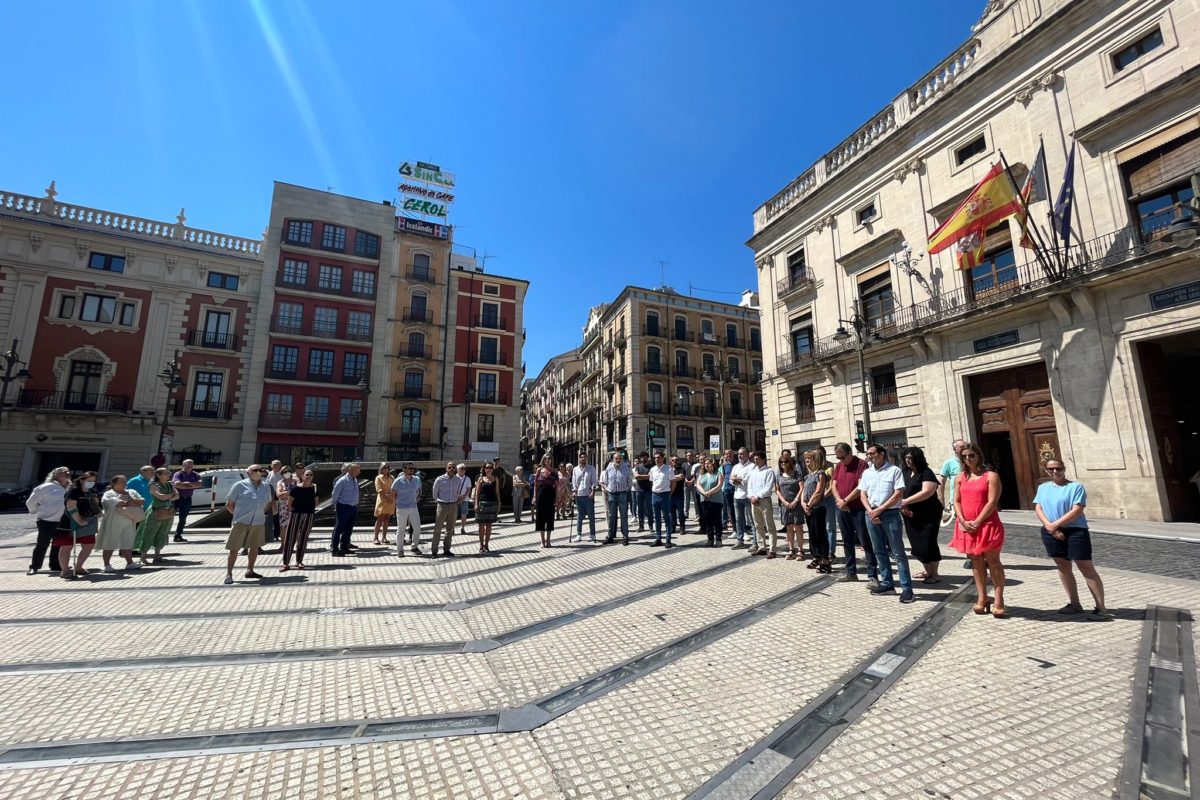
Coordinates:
(134, 513)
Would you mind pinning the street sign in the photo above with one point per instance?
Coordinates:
(714, 445)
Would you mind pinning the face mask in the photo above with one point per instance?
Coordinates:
(87, 485)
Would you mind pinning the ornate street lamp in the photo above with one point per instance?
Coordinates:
(719, 373)
(365, 388)
(11, 361)
(862, 335)
(172, 379)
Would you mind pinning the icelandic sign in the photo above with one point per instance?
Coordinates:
(423, 228)
(427, 173)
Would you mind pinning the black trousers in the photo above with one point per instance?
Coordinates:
(818, 536)
(46, 529)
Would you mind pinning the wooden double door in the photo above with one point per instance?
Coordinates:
(1014, 415)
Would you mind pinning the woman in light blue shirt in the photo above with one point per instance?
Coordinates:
(1059, 504)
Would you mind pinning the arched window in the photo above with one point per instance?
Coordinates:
(419, 306)
(756, 370)
(652, 323)
(653, 361)
(683, 401)
(683, 436)
(735, 365)
(706, 327)
(735, 404)
(681, 363)
(416, 344)
(414, 383)
(710, 402)
(410, 426)
(654, 399)
(709, 361)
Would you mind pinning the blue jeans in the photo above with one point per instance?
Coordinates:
(618, 504)
(889, 535)
(726, 508)
(183, 507)
(831, 523)
(645, 515)
(677, 509)
(742, 522)
(345, 514)
(585, 506)
(660, 502)
(854, 532)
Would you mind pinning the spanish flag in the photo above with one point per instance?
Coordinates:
(992, 200)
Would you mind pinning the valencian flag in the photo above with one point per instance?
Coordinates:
(1034, 190)
(1066, 200)
(993, 199)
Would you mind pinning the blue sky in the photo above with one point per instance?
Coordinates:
(590, 139)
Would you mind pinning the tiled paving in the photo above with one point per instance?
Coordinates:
(1035, 706)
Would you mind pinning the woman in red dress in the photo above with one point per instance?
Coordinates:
(978, 531)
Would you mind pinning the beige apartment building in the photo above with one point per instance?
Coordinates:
(663, 370)
(1092, 355)
(551, 410)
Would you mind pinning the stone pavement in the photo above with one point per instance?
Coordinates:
(586, 672)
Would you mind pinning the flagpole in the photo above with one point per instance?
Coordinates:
(1038, 245)
(1059, 255)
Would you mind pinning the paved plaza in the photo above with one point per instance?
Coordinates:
(588, 671)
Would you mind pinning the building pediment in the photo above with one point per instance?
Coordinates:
(878, 249)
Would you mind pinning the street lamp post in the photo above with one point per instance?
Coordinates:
(171, 378)
(11, 360)
(862, 332)
(466, 445)
(719, 373)
(365, 388)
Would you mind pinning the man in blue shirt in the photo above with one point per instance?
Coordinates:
(407, 489)
(447, 492)
(1059, 504)
(249, 501)
(345, 509)
(617, 481)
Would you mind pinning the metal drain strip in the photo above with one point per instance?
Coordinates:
(765, 769)
(313, 611)
(1162, 743)
(507, 720)
(368, 651)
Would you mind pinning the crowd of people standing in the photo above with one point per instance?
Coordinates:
(873, 502)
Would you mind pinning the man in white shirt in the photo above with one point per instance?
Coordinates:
(880, 490)
(689, 476)
(760, 488)
(47, 503)
(583, 485)
(739, 476)
(662, 478)
(617, 482)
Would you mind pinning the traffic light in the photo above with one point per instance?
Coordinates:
(652, 431)
(860, 436)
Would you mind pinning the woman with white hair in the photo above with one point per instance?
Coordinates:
(123, 512)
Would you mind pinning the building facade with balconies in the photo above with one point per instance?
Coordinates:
(485, 336)
(331, 273)
(98, 304)
(1088, 353)
(689, 366)
(552, 410)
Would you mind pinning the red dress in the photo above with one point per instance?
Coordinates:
(972, 496)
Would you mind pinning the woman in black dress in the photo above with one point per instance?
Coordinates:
(303, 500)
(487, 504)
(922, 512)
(545, 487)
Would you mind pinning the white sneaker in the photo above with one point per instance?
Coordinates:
(109, 568)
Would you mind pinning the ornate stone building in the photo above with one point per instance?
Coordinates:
(1091, 353)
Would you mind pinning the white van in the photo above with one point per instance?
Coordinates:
(216, 486)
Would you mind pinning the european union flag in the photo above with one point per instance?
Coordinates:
(1066, 199)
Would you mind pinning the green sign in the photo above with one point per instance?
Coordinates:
(425, 207)
(429, 173)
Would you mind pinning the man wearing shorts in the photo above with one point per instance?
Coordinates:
(1059, 504)
(249, 501)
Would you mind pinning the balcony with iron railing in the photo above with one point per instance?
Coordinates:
(203, 409)
(806, 413)
(405, 392)
(682, 335)
(422, 274)
(656, 331)
(492, 398)
(490, 322)
(496, 358)
(883, 399)
(655, 368)
(313, 285)
(399, 437)
(49, 400)
(320, 329)
(211, 340)
(412, 351)
(422, 316)
(683, 371)
(289, 420)
(793, 283)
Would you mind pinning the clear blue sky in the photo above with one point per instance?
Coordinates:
(589, 138)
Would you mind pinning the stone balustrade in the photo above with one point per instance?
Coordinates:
(921, 95)
(125, 224)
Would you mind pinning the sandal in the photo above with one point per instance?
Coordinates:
(284, 568)
(812, 564)
(930, 579)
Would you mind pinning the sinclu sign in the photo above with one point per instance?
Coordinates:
(429, 173)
